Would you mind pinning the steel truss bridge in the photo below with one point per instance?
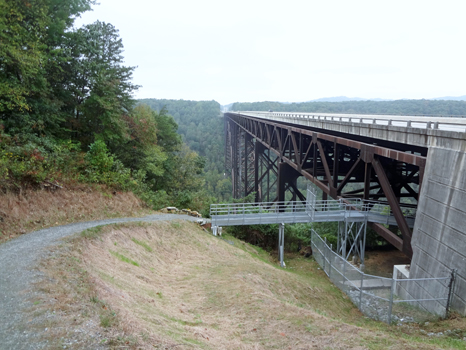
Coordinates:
(267, 157)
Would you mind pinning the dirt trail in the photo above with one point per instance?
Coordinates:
(18, 274)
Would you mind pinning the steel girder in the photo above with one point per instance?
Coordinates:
(240, 159)
(340, 167)
(256, 168)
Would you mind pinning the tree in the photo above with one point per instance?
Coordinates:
(22, 26)
(31, 40)
(167, 128)
(99, 86)
(141, 150)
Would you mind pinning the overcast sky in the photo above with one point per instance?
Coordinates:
(293, 50)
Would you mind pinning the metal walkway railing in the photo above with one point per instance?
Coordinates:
(294, 212)
(258, 213)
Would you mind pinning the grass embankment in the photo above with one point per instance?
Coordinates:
(172, 285)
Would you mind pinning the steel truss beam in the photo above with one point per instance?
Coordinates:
(240, 159)
(340, 167)
(257, 168)
(352, 240)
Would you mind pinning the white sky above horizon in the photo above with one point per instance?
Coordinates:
(299, 50)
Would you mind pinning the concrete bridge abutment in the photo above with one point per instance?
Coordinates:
(439, 237)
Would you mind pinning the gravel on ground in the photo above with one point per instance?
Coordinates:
(18, 275)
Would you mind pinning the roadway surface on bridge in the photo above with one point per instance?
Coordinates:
(421, 131)
(420, 122)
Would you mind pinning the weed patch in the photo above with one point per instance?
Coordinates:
(142, 244)
(123, 258)
(92, 233)
(175, 224)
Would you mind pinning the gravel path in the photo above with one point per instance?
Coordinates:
(18, 259)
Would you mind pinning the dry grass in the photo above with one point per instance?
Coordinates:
(67, 311)
(191, 290)
(35, 209)
(380, 263)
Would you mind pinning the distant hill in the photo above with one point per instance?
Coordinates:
(226, 108)
(200, 123)
(194, 119)
(451, 98)
(344, 99)
(397, 107)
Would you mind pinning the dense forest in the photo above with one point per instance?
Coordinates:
(67, 114)
(399, 107)
(200, 123)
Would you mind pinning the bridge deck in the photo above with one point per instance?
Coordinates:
(457, 124)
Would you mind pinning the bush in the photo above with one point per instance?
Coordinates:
(99, 163)
(32, 160)
(101, 167)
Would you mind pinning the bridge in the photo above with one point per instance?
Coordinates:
(412, 164)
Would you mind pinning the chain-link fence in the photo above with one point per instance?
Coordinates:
(397, 299)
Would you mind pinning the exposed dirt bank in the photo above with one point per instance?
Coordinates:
(31, 210)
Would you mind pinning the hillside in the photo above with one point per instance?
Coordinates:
(200, 124)
(34, 209)
(171, 285)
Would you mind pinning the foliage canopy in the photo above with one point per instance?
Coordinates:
(67, 111)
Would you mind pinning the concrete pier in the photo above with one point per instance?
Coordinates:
(439, 238)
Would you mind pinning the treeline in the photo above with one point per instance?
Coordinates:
(201, 126)
(399, 107)
(67, 112)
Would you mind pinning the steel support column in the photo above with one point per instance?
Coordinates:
(281, 243)
(287, 177)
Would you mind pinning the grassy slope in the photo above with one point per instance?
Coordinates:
(172, 285)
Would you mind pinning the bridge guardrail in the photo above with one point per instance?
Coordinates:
(374, 207)
(419, 122)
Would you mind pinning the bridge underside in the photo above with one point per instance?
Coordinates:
(267, 158)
